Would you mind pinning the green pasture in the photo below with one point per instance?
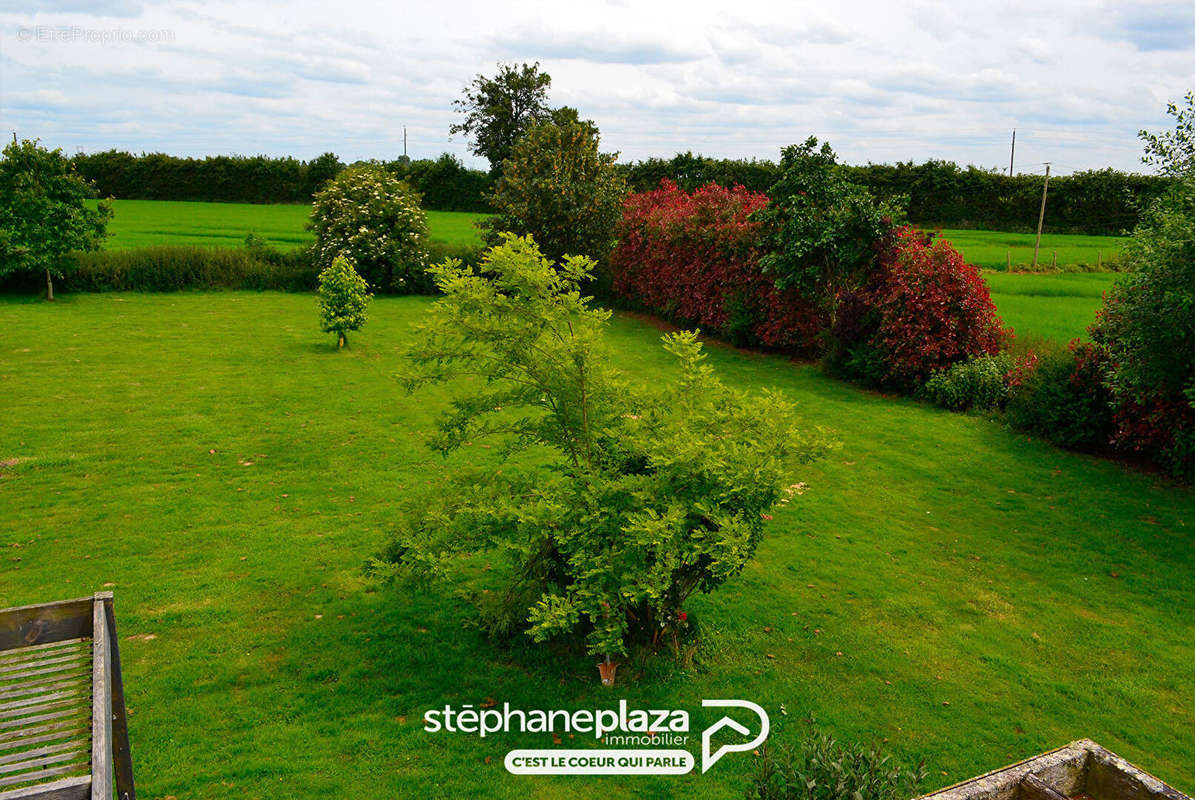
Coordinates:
(970, 595)
(992, 249)
(137, 223)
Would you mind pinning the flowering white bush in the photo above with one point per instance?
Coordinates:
(375, 221)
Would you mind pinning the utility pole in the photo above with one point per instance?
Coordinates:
(404, 141)
(1041, 215)
(1012, 152)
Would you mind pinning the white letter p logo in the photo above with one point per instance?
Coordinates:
(708, 760)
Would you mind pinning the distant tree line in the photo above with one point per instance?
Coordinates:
(940, 193)
(445, 183)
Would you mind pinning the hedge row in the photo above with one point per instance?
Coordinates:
(172, 268)
(941, 193)
(445, 183)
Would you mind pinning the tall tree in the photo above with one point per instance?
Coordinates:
(1173, 152)
(43, 216)
(498, 110)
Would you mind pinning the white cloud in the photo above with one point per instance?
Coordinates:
(882, 82)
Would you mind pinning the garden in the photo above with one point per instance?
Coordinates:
(340, 476)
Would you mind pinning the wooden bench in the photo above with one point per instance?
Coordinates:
(63, 730)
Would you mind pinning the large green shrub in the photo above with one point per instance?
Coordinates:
(1147, 326)
(632, 498)
(821, 767)
(980, 383)
(43, 216)
(824, 232)
(375, 220)
(1060, 396)
(558, 188)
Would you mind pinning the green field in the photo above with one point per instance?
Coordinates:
(144, 222)
(137, 223)
(991, 249)
(971, 595)
(1057, 306)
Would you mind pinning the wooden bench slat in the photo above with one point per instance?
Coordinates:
(44, 750)
(6, 737)
(75, 734)
(54, 658)
(74, 666)
(41, 775)
(45, 685)
(17, 713)
(21, 723)
(41, 698)
(39, 762)
(74, 788)
(40, 650)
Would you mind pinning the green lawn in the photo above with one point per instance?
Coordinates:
(971, 595)
(991, 249)
(137, 223)
(1057, 306)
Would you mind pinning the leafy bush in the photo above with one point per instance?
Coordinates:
(821, 767)
(343, 296)
(172, 268)
(1060, 396)
(921, 310)
(635, 497)
(980, 383)
(823, 232)
(694, 258)
(1147, 326)
(373, 219)
(557, 188)
(43, 215)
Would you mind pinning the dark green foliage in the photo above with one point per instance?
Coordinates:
(1147, 326)
(43, 214)
(171, 268)
(821, 767)
(941, 193)
(1062, 399)
(823, 231)
(980, 383)
(560, 189)
(446, 184)
(499, 109)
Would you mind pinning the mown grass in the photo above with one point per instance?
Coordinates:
(991, 249)
(138, 223)
(1054, 306)
(966, 593)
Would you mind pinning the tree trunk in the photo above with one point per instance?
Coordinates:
(342, 342)
(49, 286)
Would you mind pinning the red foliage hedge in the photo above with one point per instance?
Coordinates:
(923, 309)
(693, 258)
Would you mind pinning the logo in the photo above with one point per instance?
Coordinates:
(708, 760)
(636, 741)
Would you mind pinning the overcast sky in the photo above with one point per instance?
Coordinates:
(881, 81)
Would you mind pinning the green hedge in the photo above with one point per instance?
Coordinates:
(941, 193)
(170, 268)
(445, 183)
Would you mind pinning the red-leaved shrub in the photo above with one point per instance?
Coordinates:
(694, 258)
(922, 309)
